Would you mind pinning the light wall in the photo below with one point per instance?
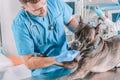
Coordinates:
(8, 11)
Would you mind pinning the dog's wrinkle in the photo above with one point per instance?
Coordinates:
(97, 51)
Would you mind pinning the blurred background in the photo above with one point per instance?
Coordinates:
(9, 59)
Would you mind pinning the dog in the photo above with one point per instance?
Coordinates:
(96, 54)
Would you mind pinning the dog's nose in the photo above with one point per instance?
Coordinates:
(75, 45)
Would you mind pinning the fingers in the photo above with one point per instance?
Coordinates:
(96, 6)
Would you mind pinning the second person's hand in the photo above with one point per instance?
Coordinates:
(98, 11)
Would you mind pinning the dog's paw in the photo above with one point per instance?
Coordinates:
(70, 65)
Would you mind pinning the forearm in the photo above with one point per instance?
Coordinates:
(72, 24)
(33, 62)
(104, 18)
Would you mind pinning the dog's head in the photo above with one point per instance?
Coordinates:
(86, 34)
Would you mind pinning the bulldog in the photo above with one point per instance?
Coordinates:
(96, 54)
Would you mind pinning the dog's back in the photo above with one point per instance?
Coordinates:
(110, 55)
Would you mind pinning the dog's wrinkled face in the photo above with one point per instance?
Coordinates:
(86, 34)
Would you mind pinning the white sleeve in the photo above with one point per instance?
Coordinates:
(115, 26)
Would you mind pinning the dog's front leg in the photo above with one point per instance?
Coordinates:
(70, 65)
(74, 76)
(85, 66)
(77, 74)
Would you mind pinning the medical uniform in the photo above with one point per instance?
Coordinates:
(48, 42)
(114, 26)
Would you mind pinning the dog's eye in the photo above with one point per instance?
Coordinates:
(76, 36)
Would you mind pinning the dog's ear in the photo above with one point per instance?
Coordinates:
(81, 24)
(81, 20)
(97, 28)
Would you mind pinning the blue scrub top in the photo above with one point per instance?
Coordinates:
(48, 42)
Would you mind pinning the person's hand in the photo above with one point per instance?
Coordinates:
(98, 11)
(67, 56)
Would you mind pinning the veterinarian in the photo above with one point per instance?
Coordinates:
(39, 31)
(115, 25)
